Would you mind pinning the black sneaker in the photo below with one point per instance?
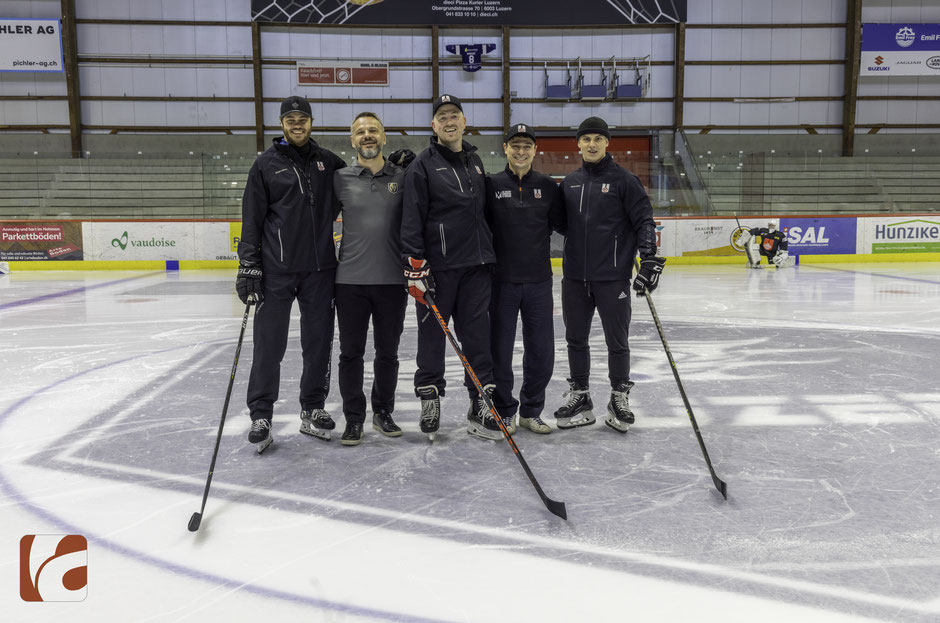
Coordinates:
(352, 435)
(382, 421)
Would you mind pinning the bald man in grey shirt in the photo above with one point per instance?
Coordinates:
(369, 279)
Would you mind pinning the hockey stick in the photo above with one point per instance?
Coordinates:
(719, 483)
(558, 508)
(196, 519)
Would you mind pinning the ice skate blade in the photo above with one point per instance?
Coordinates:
(617, 425)
(431, 437)
(319, 433)
(481, 432)
(261, 446)
(585, 418)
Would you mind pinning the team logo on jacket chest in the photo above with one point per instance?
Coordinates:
(320, 166)
(503, 194)
(477, 167)
(605, 188)
(538, 193)
(393, 188)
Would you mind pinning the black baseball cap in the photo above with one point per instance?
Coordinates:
(295, 103)
(594, 125)
(446, 99)
(520, 129)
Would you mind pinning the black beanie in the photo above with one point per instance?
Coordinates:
(593, 125)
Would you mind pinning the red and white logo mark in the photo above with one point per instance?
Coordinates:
(53, 567)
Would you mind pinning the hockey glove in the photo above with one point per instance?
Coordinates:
(781, 259)
(418, 274)
(402, 157)
(248, 283)
(647, 278)
(744, 237)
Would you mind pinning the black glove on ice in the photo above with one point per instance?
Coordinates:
(647, 278)
(248, 283)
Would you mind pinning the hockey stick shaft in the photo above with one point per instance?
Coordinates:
(556, 507)
(196, 519)
(719, 483)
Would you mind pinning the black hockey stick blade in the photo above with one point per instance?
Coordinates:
(555, 507)
(719, 483)
(194, 521)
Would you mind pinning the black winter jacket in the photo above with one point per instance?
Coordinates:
(443, 209)
(288, 210)
(522, 214)
(608, 219)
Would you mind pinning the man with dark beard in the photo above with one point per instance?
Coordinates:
(285, 253)
(369, 280)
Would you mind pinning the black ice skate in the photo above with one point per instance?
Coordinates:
(578, 411)
(481, 422)
(352, 435)
(430, 410)
(382, 421)
(619, 415)
(317, 423)
(260, 434)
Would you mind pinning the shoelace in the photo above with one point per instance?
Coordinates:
(573, 397)
(260, 425)
(429, 410)
(621, 401)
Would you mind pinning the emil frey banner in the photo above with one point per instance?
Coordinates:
(900, 50)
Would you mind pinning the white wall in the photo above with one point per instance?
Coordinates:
(702, 44)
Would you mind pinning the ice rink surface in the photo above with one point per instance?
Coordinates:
(816, 389)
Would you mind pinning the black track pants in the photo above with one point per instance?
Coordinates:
(355, 305)
(463, 293)
(314, 293)
(611, 299)
(533, 301)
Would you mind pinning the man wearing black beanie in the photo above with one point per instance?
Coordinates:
(608, 219)
(286, 252)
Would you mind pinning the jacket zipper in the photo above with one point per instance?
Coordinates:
(443, 241)
(458, 178)
(580, 206)
(615, 251)
(280, 243)
(313, 213)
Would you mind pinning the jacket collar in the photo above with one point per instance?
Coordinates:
(512, 174)
(453, 156)
(596, 167)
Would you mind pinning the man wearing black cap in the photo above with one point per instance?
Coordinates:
(608, 219)
(444, 230)
(523, 206)
(286, 252)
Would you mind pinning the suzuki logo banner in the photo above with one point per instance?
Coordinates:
(482, 12)
(900, 50)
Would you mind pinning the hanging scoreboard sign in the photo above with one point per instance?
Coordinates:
(31, 45)
(342, 73)
(900, 50)
(482, 12)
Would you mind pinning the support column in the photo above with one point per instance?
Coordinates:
(435, 62)
(259, 91)
(853, 53)
(678, 102)
(70, 57)
(507, 108)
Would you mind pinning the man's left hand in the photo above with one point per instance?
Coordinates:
(647, 278)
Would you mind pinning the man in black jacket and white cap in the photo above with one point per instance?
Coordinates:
(608, 220)
(447, 250)
(285, 253)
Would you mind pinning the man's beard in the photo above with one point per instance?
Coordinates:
(290, 139)
(370, 152)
